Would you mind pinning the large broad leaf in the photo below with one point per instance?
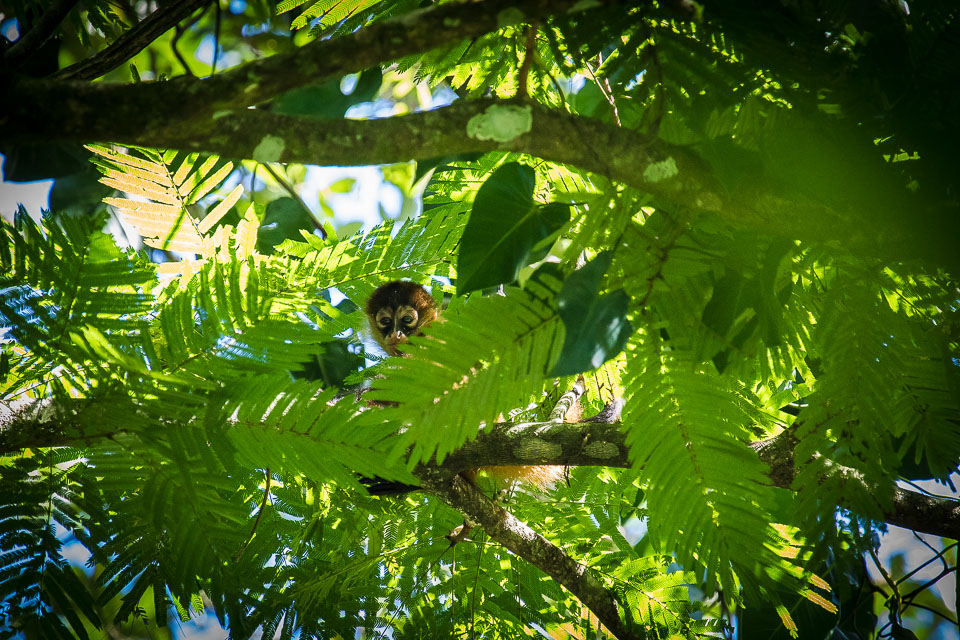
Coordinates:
(283, 219)
(597, 326)
(730, 313)
(505, 224)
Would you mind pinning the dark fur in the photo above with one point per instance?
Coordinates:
(399, 292)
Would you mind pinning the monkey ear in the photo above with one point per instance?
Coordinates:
(429, 315)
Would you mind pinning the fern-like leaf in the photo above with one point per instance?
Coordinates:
(708, 494)
(161, 214)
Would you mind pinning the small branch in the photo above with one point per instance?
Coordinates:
(938, 555)
(516, 536)
(175, 41)
(32, 40)
(604, 85)
(909, 598)
(567, 401)
(218, 20)
(530, 50)
(99, 112)
(260, 80)
(256, 522)
(285, 184)
(132, 41)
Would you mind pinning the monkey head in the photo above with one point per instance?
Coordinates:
(398, 310)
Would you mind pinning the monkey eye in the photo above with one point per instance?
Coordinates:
(384, 322)
(407, 320)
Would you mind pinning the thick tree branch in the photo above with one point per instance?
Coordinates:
(211, 114)
(88, 113)
(42, 424)
(49, 113)
(519, 538)
(910, 509)
(131, 42)
(46, 424)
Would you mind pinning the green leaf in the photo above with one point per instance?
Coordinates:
(728, 313)
(555, 215)
(343, 185)
(759, 618)
(597, 326)
(504, 226)
(327, 100)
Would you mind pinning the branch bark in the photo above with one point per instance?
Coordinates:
(212, 114)
(42, 423)
(163, 115)
(89, 113)
(45, 424)
(187, 99)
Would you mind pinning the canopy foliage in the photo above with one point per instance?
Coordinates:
(739, 221)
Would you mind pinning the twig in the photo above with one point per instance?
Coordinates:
(604, 86)
(131, 42)
(567, 401)
(256, 522)
(296, 196)
(530, 50)
(181, 29)
(216, 38)
(504, 528)
(939, 556)
(895, 596)
(934, 611)
(473, 597)
(32, 40)
(26, 424)
(926, 585)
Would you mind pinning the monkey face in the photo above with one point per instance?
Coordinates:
(398, 310)
(395, 325)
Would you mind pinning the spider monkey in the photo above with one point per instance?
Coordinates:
(400, 309)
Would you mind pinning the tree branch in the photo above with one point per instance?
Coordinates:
(42, 423)
(131, 42)
(148, 115)
(211, 114)
(90, 113)
(185, 98)
(33, 39)
(911, 509)
(519, 538)
(39, 423)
